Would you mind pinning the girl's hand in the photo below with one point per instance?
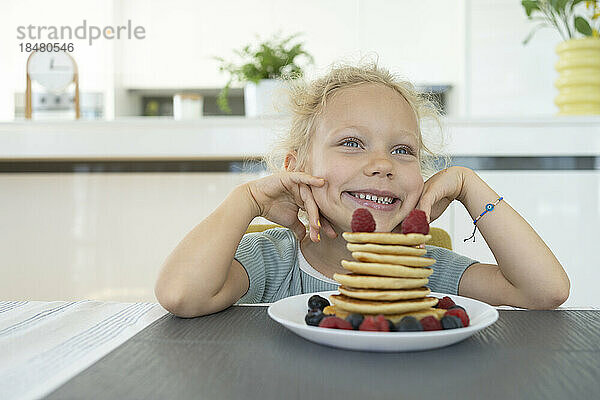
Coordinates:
(278, 198)
(442, 189)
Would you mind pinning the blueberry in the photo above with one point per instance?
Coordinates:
(317, 302)
(409, 324)
(355, 320)
(456, 306)
(313, 317)
(451, 322)
(392, 326)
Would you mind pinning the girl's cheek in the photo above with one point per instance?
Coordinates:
(323, 197)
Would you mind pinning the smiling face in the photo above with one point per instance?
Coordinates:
(366, 142)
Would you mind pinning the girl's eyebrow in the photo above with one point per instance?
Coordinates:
(402, 132)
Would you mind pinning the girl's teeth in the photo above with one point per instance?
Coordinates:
(380, 200)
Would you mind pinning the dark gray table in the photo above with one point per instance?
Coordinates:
(241, 353)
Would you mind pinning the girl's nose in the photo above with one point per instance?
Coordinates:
(379, 166)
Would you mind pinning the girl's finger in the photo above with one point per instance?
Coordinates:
(301, 177)
(296, 194)
(425, 206)
(293, 181)
(312, 210)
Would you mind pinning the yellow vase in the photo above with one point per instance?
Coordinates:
(578, 81)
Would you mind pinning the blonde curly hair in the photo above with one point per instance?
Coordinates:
(308, 99)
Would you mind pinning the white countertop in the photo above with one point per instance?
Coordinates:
(239, 137)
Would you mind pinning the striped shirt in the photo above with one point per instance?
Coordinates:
(277, 269)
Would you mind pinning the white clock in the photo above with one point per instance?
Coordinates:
(54, 71)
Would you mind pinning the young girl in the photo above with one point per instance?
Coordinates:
(356, 130)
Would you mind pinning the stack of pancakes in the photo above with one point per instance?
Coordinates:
(388, 277)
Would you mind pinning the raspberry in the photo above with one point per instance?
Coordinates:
(335, 323)
(431, 324)
(362, 221)
(415, 222)
(382, 323)
(457, 312)
(368, 324)
(446, 302)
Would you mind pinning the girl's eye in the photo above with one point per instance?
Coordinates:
(408, 150)
(350, 141)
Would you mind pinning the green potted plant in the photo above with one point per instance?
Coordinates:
(579, 53)
(260, 68)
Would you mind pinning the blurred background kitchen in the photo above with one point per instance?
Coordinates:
(110, 156)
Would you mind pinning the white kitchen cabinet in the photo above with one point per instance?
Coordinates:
(104, 236)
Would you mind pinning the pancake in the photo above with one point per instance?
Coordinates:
(381, 307)
(438, 313)
(386, 249)
(384, 294)
(379, 282)
(409, 261)
(410, 239)
(399, 271)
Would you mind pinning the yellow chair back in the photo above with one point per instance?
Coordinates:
(439, 237)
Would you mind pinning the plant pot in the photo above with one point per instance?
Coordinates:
(578, 82)
(264, 99)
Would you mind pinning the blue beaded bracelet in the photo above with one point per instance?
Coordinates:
(488, 207)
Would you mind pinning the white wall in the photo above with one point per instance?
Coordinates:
(506, 77)
(334, 29)
(473, 45)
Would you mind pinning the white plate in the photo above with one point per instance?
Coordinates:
(290, 312)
